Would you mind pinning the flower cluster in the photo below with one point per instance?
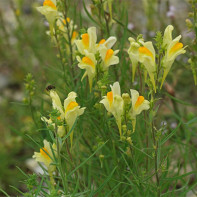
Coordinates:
(95, 57)
(114, 103)
(55, 17)
(144, 53)
(67, 114)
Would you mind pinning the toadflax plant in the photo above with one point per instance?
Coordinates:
(108, 138)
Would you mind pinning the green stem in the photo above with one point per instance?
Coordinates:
(63, 177)
(155, 142)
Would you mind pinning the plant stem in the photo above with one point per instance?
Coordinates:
(155, 142)
(59, 162)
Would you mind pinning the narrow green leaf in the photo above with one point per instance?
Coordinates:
(4, 192)
(86, 159)
(171, 134)
(105, 182)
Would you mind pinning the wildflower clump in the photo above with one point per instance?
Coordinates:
(95, 58)
(144, 53)
(116, 104)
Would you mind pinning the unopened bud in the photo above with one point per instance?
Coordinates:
(126, 98)
(124, 128)
(101, 157)
(189, 60)
(188, 23)
(129, 140)
(103, 87)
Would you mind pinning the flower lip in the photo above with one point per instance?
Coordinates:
(145, 51)
(50, 4)
(109, 53)
(139, 101)
(176, 47)
(85, 40)
(74, 35)
(71, 105)
(102, 41)
(110, 97)
(87, 60)
(44, 152)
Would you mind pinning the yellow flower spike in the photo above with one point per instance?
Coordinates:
(113, 103)
(138, 105)
(72, 111)
(173, 48)
(89, 64)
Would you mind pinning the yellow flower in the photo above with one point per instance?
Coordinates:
(87, 42)
(62, 25)
(147, 58)
(109, 43)
(56, 102)
(72, 111)
(113, 103)
(173, 49)
(60, 129)
(49, 10)
(108, 57)
(133, 52)
(138, 105)
(46, 155)
(88, 62)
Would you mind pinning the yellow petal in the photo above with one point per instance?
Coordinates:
(74, 35)
(139, 101)
(110, 97)
(87, 60)
(85, 40)
(109, 53)
(50, 4)
(145, 51)
(44, 152)
(176, 47)
(68, 19)
(71, 105)
(102, 41)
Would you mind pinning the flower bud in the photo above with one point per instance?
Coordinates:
(126, 98)
(129, 140)
(188, 23)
